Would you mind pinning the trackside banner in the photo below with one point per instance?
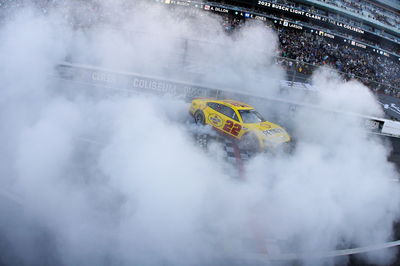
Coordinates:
(127, 82)
(131, 82)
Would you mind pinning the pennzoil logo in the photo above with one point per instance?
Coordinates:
(215, 120)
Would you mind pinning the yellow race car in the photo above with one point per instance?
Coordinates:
(240, 121)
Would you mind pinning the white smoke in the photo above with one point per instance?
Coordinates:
(335, 189)
(140, 191)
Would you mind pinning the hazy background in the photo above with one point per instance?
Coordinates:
(140, 192)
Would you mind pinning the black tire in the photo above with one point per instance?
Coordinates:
(249, 142)
(199, 118)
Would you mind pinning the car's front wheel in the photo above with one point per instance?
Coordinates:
(199, 118)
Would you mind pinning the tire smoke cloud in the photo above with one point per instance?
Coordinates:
(119, 180)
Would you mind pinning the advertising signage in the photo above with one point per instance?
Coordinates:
(286, 9)
(217, 8)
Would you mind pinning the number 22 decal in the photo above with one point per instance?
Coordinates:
(231, 127)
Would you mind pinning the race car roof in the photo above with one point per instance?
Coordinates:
(231, 103)
(236, 104)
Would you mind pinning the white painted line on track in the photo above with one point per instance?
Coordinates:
(320, 255)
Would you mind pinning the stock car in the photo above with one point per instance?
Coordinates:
(239, 121)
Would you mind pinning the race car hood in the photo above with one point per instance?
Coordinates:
(277, 139)
(267, 125)
(273, 134)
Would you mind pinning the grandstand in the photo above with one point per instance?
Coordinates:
(368, 10)
(360, 39)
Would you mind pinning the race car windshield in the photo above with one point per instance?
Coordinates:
(251, 116)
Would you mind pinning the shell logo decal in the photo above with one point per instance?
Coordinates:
(215, 120)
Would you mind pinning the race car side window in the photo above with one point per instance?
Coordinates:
(235, 116)
(213, 106)
(229, 112)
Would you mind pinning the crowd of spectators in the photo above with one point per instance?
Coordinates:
(358, 7)
(339, 18)
(302, 52)
(366, 9)
(231, 23)
(311, 50)
(305, 51)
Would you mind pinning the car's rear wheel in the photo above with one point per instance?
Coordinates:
(199, 118)
(249, 142)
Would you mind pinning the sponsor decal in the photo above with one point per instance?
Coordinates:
(266, 126)
(373, 125)
(215, 120)
(314, 16)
